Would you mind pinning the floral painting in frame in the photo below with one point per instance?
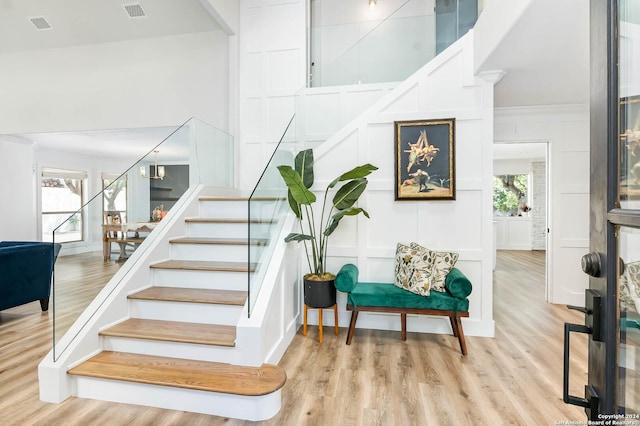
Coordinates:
(425, 159)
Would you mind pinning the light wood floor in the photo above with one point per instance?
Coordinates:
(514, 378)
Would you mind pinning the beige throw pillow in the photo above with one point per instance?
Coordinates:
(443, 263)
(413, 269)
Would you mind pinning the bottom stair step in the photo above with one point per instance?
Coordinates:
(181, 373)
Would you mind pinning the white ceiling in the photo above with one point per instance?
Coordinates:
(545, 56)
(81, 22)
(131, 144)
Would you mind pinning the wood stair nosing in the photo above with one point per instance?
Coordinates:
(191, 295)
(218, 241)
(181, 373)
(203, 265)
(173, 331)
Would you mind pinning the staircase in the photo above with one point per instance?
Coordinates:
(176, 349)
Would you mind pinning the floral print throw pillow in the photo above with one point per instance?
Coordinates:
(413, 269)
(443, 263)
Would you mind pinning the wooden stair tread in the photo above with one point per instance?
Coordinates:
(187, 374)
(174, 331)
(224, 220)
(204, 265)
(213, 241)
(192, 295)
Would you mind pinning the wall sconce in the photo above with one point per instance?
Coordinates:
(372, 3)
(159, 170)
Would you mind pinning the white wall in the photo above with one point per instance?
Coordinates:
(17, 178)
(338, 12)
(511, 167)
(566, 129)
(142, 83)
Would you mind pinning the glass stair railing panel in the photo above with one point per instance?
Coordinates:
(114, 224)
(267, 209)
(388, 49)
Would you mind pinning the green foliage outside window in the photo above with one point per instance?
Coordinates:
(509, 193)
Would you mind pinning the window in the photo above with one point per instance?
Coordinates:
(510, 195)
(114, 198)
(62, 198)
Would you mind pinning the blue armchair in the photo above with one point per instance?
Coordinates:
(25, 272)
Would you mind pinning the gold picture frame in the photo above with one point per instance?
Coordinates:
(425, 159)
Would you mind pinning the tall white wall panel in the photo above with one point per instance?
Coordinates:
(272, 64)
(566, 129)
(17, 177)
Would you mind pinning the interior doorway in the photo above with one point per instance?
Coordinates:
(521, 200)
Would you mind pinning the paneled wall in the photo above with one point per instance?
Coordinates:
(323, 111)
(442, 89)
(566, 129)
(513, 233)
(272, 63)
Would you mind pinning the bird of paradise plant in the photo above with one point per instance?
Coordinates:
(316, 234)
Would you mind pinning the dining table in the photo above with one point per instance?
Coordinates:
(124, 234)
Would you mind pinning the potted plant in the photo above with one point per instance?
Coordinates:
(319, 289)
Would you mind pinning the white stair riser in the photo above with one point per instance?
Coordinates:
(198, 352)
(218, 252)
(223, 209)
(214, 280)
(235, 209)
(254, 408)
(217, 230)
(203, 313)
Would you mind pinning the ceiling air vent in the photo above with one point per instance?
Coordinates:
(134, 10)
(40, 23)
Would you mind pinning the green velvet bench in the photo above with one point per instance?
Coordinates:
(386, 297)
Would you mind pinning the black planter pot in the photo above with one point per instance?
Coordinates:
(319, 294)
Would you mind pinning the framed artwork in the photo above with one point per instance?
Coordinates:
(629, 158)
(425, 159)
